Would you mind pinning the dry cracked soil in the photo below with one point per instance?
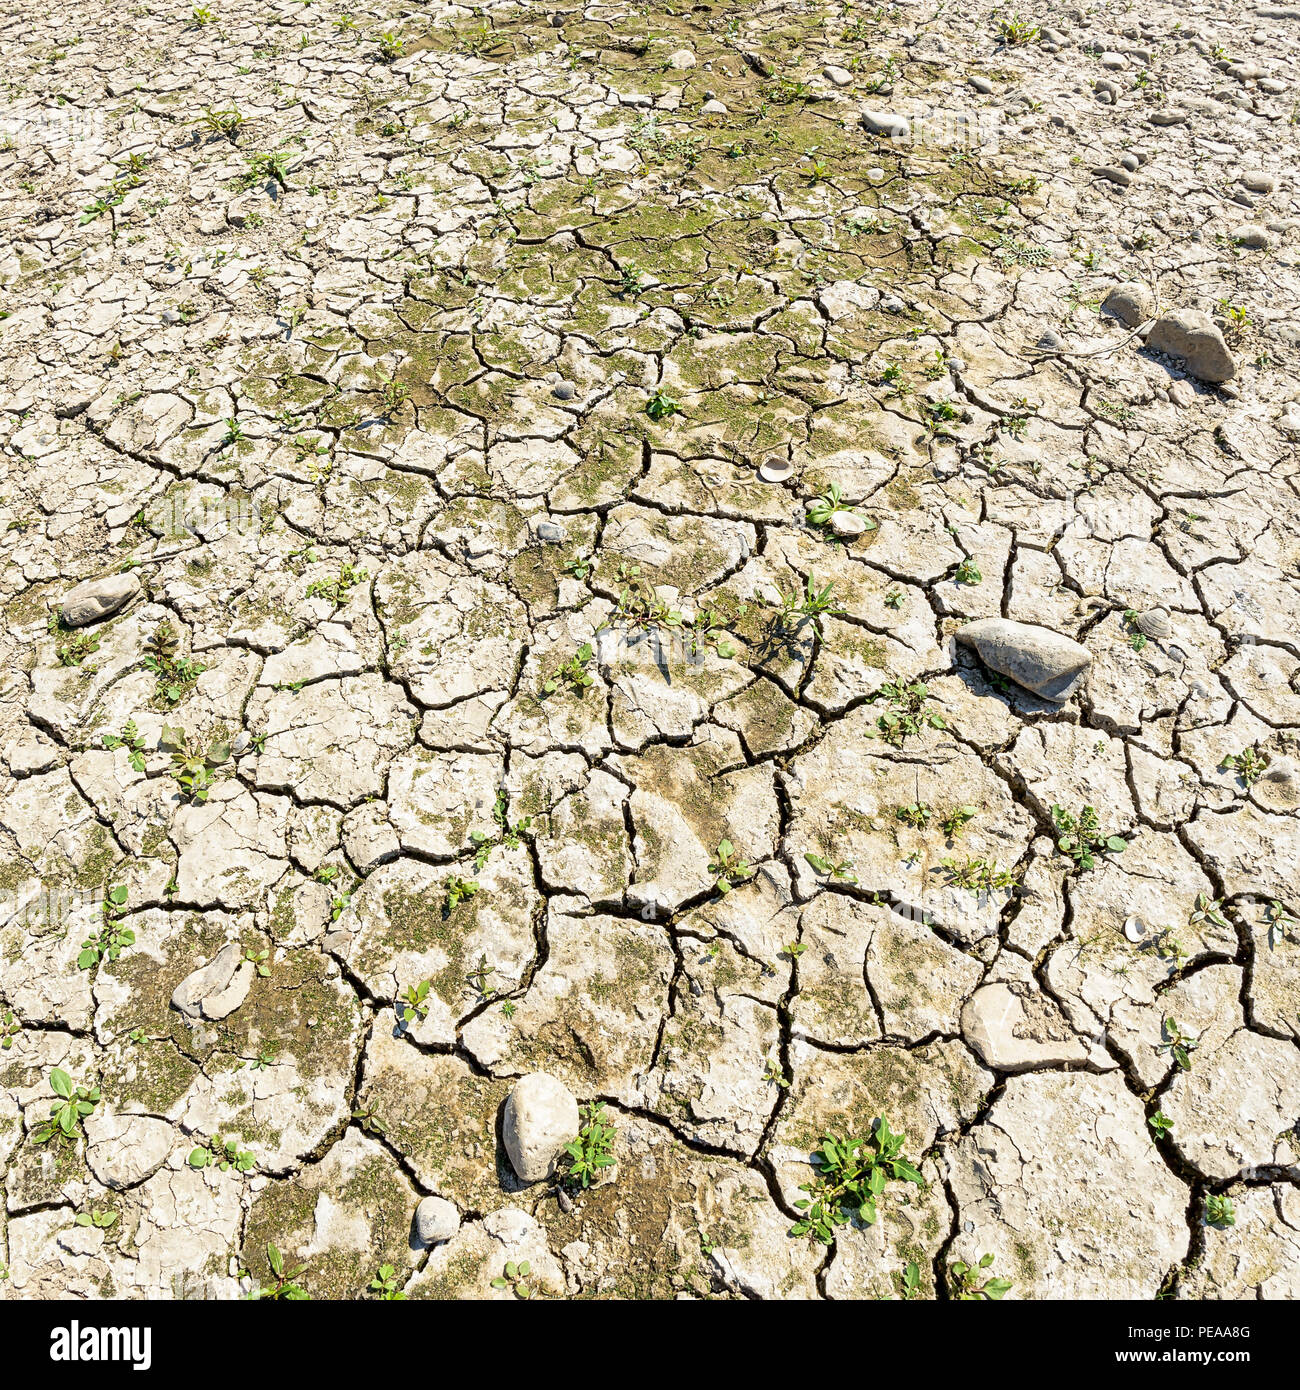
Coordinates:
(493, 502)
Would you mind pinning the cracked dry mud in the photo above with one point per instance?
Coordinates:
(359, 384)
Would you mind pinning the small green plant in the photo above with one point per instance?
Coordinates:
(729, 868)
(773, 1072)
(579, 567)
(979, 875)
(917, 815)
(336, 590)
(968, 572)
(510, 835)
(286, 1288)
(851, 1174)
(661, 405)
(368, 1121)
(909, 1282)
(1279, 923)
(130, 738)
(74, 1103)
(77, 648)
(964, 1282)
(1236, 320)
(1219, 1211)
(175, 674)
(458, 891)
(385, 1286)
(515, 1278)
(413, 1006)
(809, 605)
(1079, 837)
(593, 1149)
(954, 821)
(112, 938)
(224, 1154)
(225, 122)
(822, 509)
(192, 766)
(97, 1220)
(894, 599)
(907, 711)
(1160, 1124)
(1177, 1044)
(9, 1030)
(259, 959)
(479, 979)
(841, 869)
(391, 47)
(202, 16)
(1249, 765)
(573, 673)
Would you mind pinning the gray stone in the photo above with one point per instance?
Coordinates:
(1114, 174)
(1252, 237)
(1037, 658)
(564, 390)
(436, 1220)
(216, 990)
(1131, 303)
(551, 532)
(94, 599)
(541, 1117)
(887, 124)
(1191, 335)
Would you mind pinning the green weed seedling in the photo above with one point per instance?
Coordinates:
(1249, 765)
(1160, 1124)
(224, 1154)
(964, 1281)
(841, 869)
(808, 605)
(112, 938)
(9, 1030)
(1079, 837)
(851, 1175)
(286, 1288)
(593, 1149)
(661, 405)
(192, 766)
(573, 673)
(1219, 1211)
(729, 868)
(459, 890)
(130, 740)
(175, 674)
(515, 1277)
(74, 1103)
(907, 711)
(1177, 1044)
(822, 509)
(413, 1006)
(385, 1286)
(97, 1220)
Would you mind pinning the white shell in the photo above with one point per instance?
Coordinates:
(776, 470)
(1154, 622)
(1135, 929)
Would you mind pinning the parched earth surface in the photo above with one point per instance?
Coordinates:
(458, 701)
